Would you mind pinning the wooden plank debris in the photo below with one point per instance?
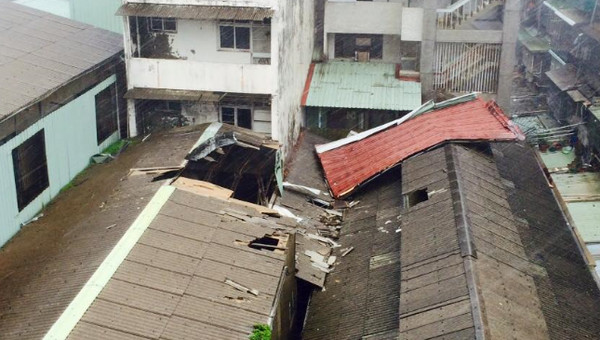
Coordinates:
(241, 287)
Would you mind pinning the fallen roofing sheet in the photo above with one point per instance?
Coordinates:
(40, 52)
(350, 165)
(196, 12)
(360, 85)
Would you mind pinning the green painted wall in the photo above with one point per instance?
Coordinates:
(70, 136)
(100, 13)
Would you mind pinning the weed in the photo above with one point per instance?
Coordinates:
(261, 332)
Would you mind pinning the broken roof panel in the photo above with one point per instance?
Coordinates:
(196, 12)
(361, 86)
(40, 52)
(160, 285)
(349, 165)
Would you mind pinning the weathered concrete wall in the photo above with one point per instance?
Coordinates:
(291, 52)
(428, 48)
(201, 76)
(363, 17)
(200, 112)
(241, 3)
(508, 56)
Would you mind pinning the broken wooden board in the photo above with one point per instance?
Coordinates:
(202, 188)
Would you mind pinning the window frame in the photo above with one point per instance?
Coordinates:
(162, 28)
(100, 137)
(234, 25)
(236, 109)
(28, 194)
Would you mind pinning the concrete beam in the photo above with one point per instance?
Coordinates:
(469, 36)
(508, 57)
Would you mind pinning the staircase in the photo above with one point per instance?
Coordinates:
(463, 67)
(461, 11)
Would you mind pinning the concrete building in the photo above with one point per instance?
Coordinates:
(237, 62)
(61, 82)
(453, 48)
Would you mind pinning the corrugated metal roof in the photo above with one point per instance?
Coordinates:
(361, 86)
(533, 43)
(564, 77)
(348, 166)
(178, 268)
(196, 12)
(40, 52)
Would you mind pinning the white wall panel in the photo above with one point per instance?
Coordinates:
(70, 134)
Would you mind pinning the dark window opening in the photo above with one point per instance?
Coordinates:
(235, 37)
(241, 117)
(266, 242)
(417, 196)
(106, 113)
(31, 170)
(356, 45)
(163, 25)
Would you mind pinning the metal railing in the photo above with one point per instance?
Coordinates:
(459, 12)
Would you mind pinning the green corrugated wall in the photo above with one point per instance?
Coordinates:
(100, 13)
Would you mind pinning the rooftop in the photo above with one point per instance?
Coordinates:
(227, 11)
(350, 162)
(40, 52)
(361, 86)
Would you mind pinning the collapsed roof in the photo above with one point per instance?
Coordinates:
(352, 161)
(461, 243)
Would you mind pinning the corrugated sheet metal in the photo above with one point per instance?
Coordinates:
(162, 284)
(70, 141)
(98, 13)
(348, 166)
(362, 86)
(564, 77)
(196, 12)
(40, 52)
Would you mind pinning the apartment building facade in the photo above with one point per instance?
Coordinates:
(450, 46)
(237, 62)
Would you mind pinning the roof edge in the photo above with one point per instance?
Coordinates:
(65, 324)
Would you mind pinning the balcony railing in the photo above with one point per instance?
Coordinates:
(459, 12)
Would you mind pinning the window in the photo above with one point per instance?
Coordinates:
(415, 197)
(106, 113)
(163, 25)
(349, 45)
(234, 36)
(31, 171)
(241, 117)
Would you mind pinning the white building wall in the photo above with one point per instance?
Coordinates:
(291, 48)
(70, 134)
(200, 76)
(363, 17)
(198, 40)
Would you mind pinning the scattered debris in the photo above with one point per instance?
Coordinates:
(111, 226)
(305, 190)
(241, 288)
(319, 202)
(32, 220)
(319, 261)
(346, 251)
(324, 240)
(286, 212)
(100, 158)
(353, 203)
(146, 137)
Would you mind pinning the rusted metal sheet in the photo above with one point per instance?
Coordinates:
(350, 165)
(196, 12)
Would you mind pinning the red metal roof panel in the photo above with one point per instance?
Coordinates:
(350, 165)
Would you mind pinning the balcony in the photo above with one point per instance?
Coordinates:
(201, 76)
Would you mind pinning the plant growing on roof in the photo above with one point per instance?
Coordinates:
(261, 332)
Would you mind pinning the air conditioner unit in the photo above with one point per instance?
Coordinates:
(362, 56)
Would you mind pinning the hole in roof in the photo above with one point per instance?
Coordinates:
(417, 196)
(166, 175)
(266, 242)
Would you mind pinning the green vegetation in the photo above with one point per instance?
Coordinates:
(115, 147)
(261, 332)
